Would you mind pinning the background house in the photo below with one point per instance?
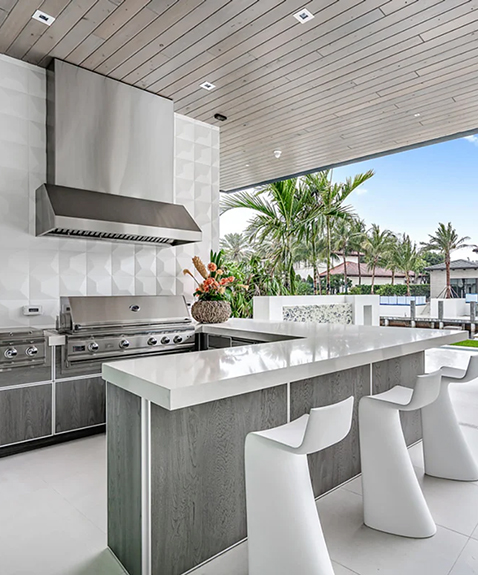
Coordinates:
(382, 276)
(464, 278)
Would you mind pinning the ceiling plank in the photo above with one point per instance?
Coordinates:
(73, 12)
(16, 20)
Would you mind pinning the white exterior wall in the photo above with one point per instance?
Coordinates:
(270, 307)
(453, 307)
(39, 270)
(438, 280)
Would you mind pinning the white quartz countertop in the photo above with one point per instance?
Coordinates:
(182, 380)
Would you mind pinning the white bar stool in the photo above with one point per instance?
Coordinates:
(392, 499)
(284, 531)
(445, 449)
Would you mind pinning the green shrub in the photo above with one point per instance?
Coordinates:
(361, 290)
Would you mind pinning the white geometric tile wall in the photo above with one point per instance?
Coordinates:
(38, 270)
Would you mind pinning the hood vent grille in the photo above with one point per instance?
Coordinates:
(108, 236)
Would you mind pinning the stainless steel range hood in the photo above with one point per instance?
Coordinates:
(70, 212)
(109, 163)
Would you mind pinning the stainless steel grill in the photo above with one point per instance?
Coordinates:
(100, 329)
(20, 347)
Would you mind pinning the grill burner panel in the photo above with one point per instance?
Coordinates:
(21, 347)
(101, 329)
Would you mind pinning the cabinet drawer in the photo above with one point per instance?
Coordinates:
(25, 413)
(80, 403)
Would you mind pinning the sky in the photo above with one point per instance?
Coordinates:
(411, 192)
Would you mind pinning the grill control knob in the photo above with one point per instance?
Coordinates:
(124, 343)
(178, 339)
(31, 351)
(165, 340)
(10, 353)
(93, 346)
(152, 341)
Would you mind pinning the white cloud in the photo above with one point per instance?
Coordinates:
(472, 139)
(361, 191)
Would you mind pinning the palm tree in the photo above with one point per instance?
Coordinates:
(343, 242)
(358, 236)
(408, 258)
(313, 251)
(235, 247)
(445, 241)
(332, 201)
(392, 258)
(376, 246)
(279, 210)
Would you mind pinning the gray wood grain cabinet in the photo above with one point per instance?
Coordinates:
(25, 413)
(80, 403)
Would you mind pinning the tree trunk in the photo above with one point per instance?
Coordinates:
(345, 273)
(327, 287)
(359, 269)
(373, 280)
(448, 280)
(393, 277)
(408, 282)
(315, 277)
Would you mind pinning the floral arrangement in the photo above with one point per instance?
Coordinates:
(216, 284)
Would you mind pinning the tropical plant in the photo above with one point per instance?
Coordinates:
(444, 241)
(391, 259)
(358, 230)
(313, 251)
(215, 284)
(343, 242)
(331, 197)
(279, 209)
(376, 246)
(407, 257)
(235, 247)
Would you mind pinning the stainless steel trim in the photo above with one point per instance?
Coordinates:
(75, 377)
(22, 385)
(79, 428)
(146, 486)
(71, 212)
(53, 391)
(25, 441)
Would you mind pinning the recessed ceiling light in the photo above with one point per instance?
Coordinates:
(44, 18)
(207, 86)
(304, 16)
(277, 153)
(416, 115)
(247, 165)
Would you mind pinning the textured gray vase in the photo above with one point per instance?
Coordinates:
(211, 311)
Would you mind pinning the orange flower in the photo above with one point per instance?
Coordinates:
(212, 267)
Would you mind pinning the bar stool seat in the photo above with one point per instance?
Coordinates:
(445, 450)
(284, 531)
(392, 499)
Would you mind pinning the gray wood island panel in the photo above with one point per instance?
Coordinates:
(80, 403)
(25, 413)
(197, 475)
(124, 478)
(340, 462)
(401, 371)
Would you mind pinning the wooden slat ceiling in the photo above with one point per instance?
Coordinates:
(362, 78)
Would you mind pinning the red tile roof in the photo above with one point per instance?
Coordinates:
(353, 271)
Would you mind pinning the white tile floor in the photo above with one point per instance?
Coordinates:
(53, 514)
